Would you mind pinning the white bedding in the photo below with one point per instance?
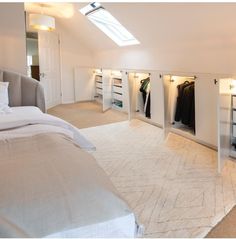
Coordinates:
(14, 124)
(119, 227)
(30, 121)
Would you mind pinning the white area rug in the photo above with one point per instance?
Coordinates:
(172, 186)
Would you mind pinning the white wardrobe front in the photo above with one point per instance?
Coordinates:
(146, 97)
(206, 102)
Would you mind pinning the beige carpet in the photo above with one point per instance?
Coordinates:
(172, 186)
(87, 114)
(226, 228)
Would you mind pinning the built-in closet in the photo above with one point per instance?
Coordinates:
(226, 121)
(146, 97)
(180, 103)
(120, 98)
(107, 87)
(206, 90)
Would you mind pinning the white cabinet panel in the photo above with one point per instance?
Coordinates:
(206, 98)
(83, 84)
(157, 98)
(234, 102)
(107, 89)
(224, 122)
(167, 118)
(132, 95)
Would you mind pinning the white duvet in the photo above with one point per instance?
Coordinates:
(28, 120)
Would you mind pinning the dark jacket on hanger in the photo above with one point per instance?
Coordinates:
(188, 106)
(148, 108)
(185, 106)
(143, 89)
(178, 111)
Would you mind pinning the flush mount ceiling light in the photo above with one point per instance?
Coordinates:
(54, 9)
(42, 22)
(100, 17)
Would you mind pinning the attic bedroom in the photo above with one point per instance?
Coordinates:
(117, 119)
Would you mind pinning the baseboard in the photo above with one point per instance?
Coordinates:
(68, 102)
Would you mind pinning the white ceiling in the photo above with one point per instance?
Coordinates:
(161, 25)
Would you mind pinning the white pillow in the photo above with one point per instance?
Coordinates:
(4, 100)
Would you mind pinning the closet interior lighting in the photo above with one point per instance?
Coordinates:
(232, 86)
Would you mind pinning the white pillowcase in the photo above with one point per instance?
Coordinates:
(4, 100)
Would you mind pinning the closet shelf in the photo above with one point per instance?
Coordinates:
(116, 85)
(99, 81)
(117, 78)
(118, 93)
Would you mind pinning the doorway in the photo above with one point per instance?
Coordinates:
(43, 63)
(32, 52)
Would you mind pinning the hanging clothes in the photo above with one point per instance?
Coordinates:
(147, 105)
(187, 104)
(185, 107)
(179, 103)
(145, 90)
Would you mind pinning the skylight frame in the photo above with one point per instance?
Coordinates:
(108, 24)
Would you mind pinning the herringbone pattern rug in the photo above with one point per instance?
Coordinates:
(172, 186)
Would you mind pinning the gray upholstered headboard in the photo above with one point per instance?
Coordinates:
(23, 90)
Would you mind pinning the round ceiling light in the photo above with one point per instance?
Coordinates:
(42, 22)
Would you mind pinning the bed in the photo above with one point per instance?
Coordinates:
(50, 186)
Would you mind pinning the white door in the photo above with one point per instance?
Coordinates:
(84, 84)
(224, 121)
(206, 100)
(106, 90)
(49, 64)
(157, 98)
(167, 117)
(125, 87)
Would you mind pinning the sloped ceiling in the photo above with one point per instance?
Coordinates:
(161, 25)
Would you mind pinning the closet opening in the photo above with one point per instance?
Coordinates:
(180, 103)
(117, 90)
(140, 91)
(101, 95)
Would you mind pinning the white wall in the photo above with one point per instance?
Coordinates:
(202, 59)
(12, 37)
(186, 37)
(73, 54)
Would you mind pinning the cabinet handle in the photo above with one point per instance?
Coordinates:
(215, 81)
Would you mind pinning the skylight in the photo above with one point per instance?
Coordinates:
(108, 24)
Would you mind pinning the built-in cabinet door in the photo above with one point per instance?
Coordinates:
(83, 84)
(107, 89)
(224, 121)
(157, 99)
(167, 121)
(125, 86)
(132, 96)
(206, 99)
(49, 64)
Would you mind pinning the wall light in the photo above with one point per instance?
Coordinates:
(42, 22)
